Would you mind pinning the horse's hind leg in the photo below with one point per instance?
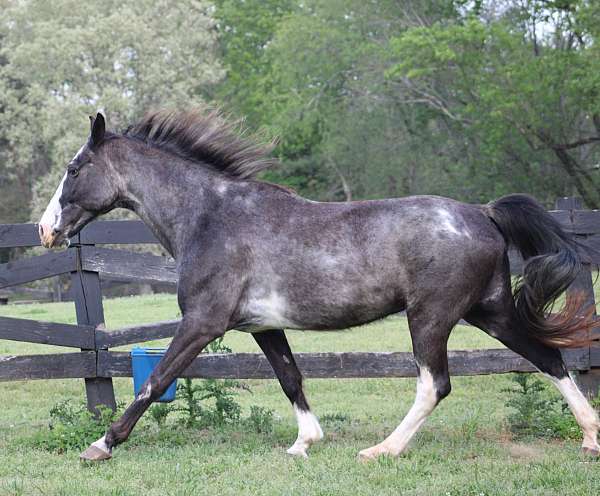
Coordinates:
(498, 319)
(275, 346)
(429, 330)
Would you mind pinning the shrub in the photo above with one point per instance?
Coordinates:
(204, 402)
(192, 400)
(538, 410)
(73, 427)
(159, 413)
(260, 420)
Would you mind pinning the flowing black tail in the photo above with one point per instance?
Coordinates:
(551, 264)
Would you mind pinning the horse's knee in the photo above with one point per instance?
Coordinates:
(433, 385)
(442, 388)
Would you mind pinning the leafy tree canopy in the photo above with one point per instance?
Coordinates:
(64, 59)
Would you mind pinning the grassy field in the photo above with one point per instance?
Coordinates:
(463, 449)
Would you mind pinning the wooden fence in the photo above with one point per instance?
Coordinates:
(86, 261)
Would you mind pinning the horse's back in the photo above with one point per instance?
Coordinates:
(333, 265)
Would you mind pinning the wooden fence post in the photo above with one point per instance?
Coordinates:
(589, 381)
(87, 295)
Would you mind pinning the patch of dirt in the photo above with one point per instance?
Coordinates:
(524, 451)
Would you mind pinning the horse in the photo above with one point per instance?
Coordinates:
(257, 257)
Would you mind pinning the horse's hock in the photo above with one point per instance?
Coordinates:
(87, 261)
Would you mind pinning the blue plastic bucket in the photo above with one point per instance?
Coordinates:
(143, 361)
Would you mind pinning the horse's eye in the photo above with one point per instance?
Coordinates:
(73, 172)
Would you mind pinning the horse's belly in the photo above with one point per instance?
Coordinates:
(268, 311)
(276, 311)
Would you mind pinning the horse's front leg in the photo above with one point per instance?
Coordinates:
(275, 346)
(193, 334)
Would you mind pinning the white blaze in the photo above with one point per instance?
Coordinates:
(51, 216)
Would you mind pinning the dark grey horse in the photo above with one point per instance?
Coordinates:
(254, 256)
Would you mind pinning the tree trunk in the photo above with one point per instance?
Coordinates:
(585, 189)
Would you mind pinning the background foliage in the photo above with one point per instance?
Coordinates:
(62, 60)
(369, 99)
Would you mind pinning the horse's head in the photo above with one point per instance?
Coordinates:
(87, 190)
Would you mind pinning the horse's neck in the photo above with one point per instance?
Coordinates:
(168, 201)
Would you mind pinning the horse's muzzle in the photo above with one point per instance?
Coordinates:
(49, 237)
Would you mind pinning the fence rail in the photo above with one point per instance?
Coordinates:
(97, 364)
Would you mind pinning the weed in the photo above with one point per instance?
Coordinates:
(159, 413)
(192, 400)
(334, 418)
(260, 420)
(538, 411)
(73, 427)
(205, 402)
(469, 426)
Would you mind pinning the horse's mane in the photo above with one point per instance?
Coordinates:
(205, 137)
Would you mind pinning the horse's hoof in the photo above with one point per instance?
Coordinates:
(367, 455)
(94, 454)
(297, 451)
(591, 452)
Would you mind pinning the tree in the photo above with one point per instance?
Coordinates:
(519, 81)
(245, 31)
(345, 131)
(64, 59)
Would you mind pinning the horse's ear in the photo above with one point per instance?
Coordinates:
(98, 127)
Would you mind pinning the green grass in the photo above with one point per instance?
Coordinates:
(463, 449)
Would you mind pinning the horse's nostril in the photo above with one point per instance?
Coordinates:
(43, 230)
(48, 234)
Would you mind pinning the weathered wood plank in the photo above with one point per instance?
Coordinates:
(117, 232)
(592, 242)
(34, 331)
(586, 221)
(18, 235)
(87, 294)
(595, 357)
(335, 365)
(141, 267)
(40, 267)
(54, 366)
(562, 216)
(135, 334)
(99, 232)
(568, 203)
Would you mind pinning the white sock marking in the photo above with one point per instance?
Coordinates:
(586, 416)
(101, 444)
(309, 431)
(425, 402)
